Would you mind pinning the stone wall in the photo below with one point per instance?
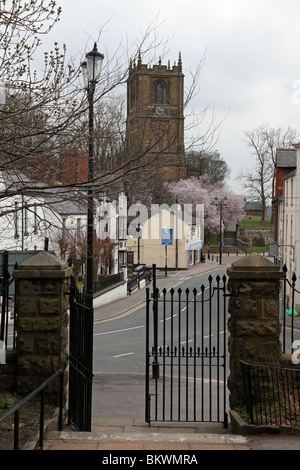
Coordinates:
(267, 234)
(254, 325)
(42, 283)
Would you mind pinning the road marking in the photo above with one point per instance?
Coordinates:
(122, 314)
(125, 354)
(119, 331)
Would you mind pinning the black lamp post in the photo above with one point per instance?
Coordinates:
(220, 204)
(91, 70)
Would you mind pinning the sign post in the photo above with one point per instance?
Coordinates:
(166, 239)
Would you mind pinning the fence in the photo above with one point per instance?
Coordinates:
(141, 272)
(272, 394)
(8, 312)
(107, 282)
(80, 360)
(39, 391)
(186, 350)
(290, 321)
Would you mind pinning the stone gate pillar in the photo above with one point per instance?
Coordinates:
(42, 320)
(254, 326)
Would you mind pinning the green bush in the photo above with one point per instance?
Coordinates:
(258, 241)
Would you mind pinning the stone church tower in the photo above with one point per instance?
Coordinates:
(155, 119)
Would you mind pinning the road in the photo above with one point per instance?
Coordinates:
(120, 351)
(119, 344)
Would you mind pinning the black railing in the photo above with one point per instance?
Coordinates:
(140, 273)
(290, 320)
(80, 360)
(8, 303)
(107, 282)
(40, 390)
(272, 394)
(186, 350)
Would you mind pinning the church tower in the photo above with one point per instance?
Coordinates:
(155, 119)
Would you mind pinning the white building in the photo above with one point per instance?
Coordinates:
(55, 220)
(111, 223)
(289, 226)
(32, 222)
(25, 221)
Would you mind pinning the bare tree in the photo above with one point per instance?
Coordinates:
(44, 110)
(44, 113)
(260, 181)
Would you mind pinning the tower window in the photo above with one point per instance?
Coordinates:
(159, 92)
(133, 94)
(159, 141)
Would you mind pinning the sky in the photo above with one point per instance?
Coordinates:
(251, 72)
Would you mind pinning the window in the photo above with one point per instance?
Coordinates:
(122, 258)
(159, 92)
(129, 258)
(26, 220)
(133, 94)
(159, 141)
(16, 217)
(35, 218)
(122, 228)
(78, 226)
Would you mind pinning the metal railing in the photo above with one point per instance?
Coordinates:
(80, 360)
(107, 282)
(7, 301)
(272, 394)
(40, 390)
(290, 320)
(140, 273)
(186, 348)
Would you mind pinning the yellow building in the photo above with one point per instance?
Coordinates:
(167, 238)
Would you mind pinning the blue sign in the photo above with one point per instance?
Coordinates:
(167, 236)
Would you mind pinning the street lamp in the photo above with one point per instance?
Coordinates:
(220, 204)
(91, 70)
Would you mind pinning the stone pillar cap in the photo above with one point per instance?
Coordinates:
(43, 260)
(256, 266)
(43, 264)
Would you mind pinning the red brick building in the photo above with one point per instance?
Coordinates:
(254, 208)
(70, 167)
(286, 162)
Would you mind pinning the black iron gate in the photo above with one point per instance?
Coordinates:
(80, 360)
(186, 358)
(5, 282)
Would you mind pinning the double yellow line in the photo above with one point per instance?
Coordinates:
(132, 310)
(122, 314)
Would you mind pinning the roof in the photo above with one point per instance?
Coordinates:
(253, 206)
(286, 157)
(64, 202)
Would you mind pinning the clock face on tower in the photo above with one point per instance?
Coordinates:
(160, 110)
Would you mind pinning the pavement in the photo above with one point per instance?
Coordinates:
(131, 435)
(125, 433)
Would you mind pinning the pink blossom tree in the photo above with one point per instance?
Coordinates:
(199, 190)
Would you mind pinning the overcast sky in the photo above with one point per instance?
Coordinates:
(252, 49)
